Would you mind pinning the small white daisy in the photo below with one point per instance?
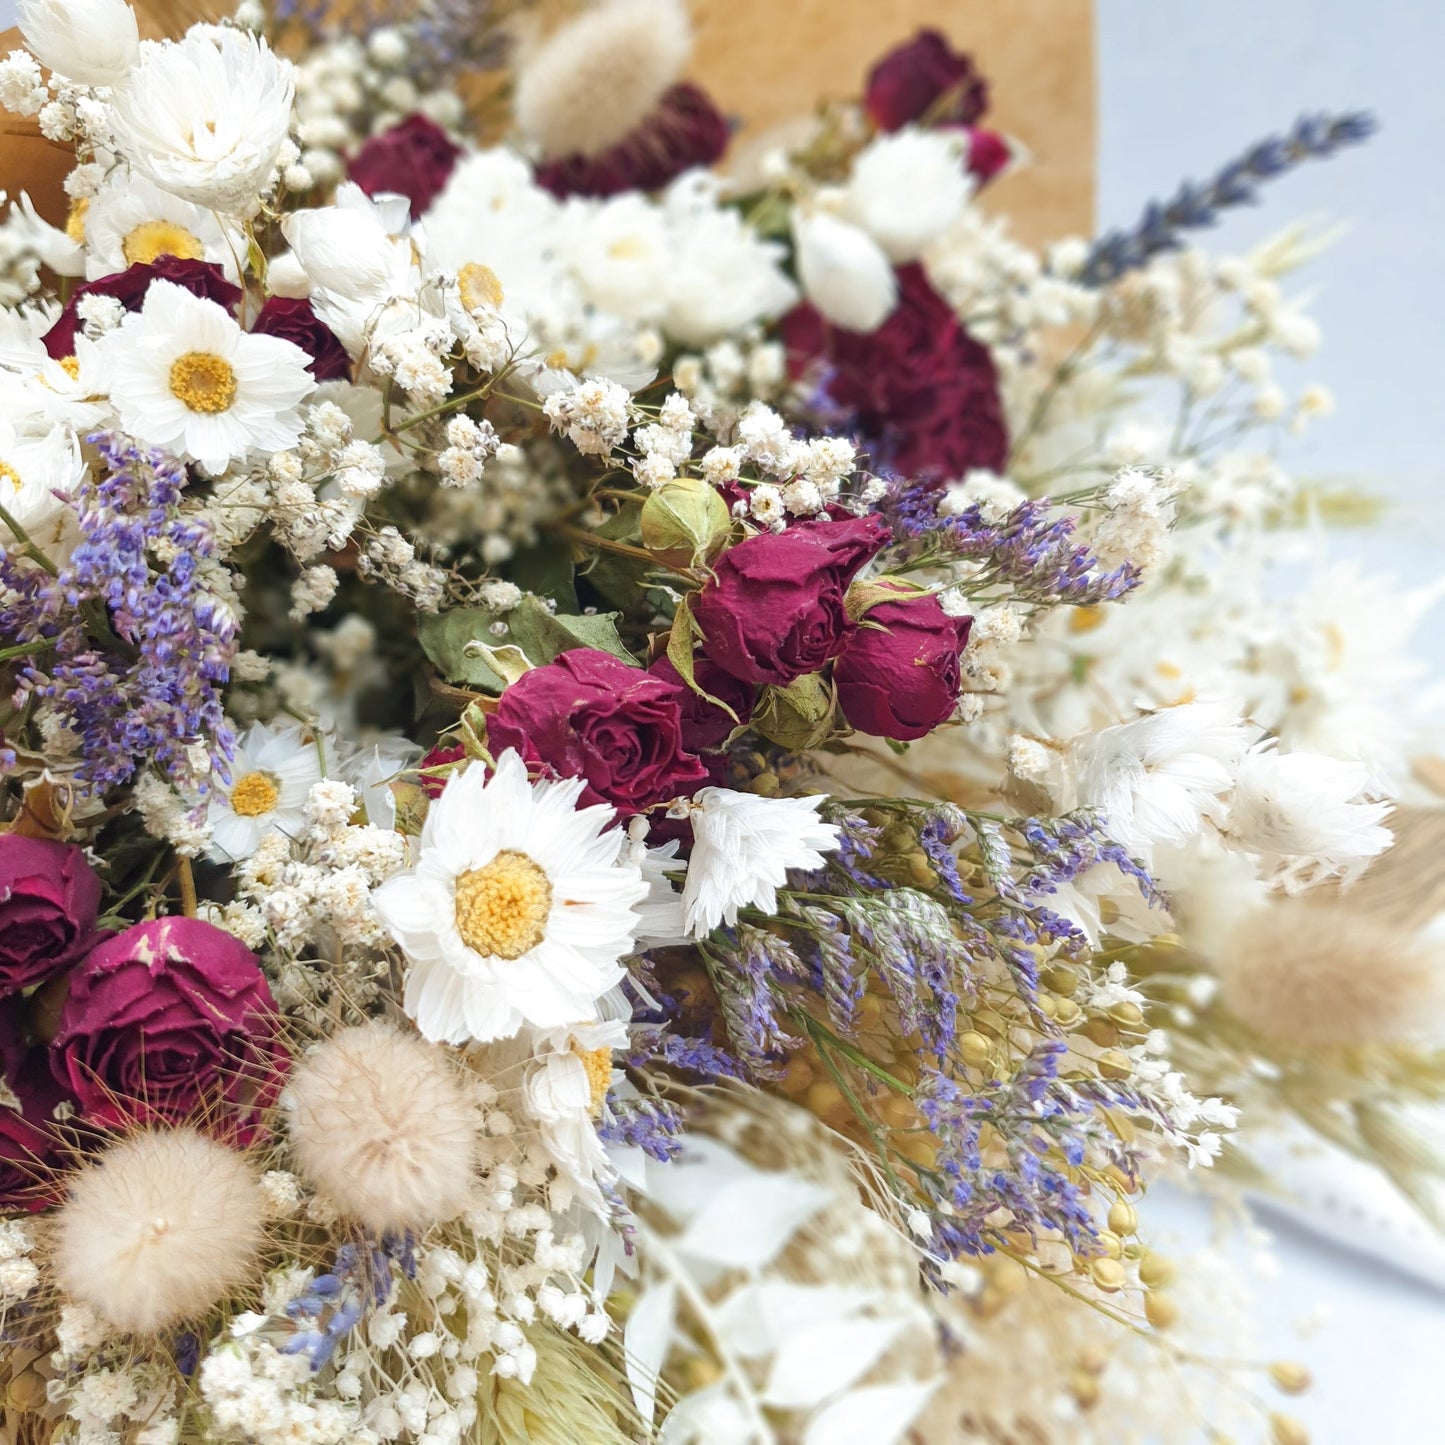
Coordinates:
(187, 378)
(518, 911)
(132, 222)
(272, 774)
(743, 847)
(205, 117)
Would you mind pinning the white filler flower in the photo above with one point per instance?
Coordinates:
(205, 117)
(271, 776)
(187, 378)
(518, 911)
(743, 847)
(92, 42)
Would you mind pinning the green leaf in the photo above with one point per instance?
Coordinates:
(681, 641)
(460, 642)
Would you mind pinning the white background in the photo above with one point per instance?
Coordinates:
(1183, 87)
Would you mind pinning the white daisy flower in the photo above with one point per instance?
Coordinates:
(188, 379)
(92, 42)
(37, 473)
(205, 117)
(743, 847)
(131, 222)
(272, 775)
(41, 392)
(518, 911)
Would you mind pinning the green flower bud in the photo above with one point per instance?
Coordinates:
(798, 716)
(684, 521)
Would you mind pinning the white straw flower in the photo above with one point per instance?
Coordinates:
(158, 1229)
(272, 774)
(131, 220)
(382, 1123)
(205, 117)
(36, 473)
(907, 189)
(1155, 778)
(187, 378)
(743, 847)
(843, 271)
(92, 42)
(519, 908)
(1311, 815)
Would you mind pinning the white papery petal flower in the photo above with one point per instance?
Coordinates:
(32, 470)
(844, 271)
(92, 42)
(185, 377)
(743, 847)
(1156, 778)
(1312, 815)
(272, 775)
(907, 189)
(205, 117)
(518, 911)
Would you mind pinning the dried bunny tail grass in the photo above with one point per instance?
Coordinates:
(157, 1230)
(384, 1125)
(595, 80)
(1319, 973)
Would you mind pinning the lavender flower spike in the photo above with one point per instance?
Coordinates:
(1314, 137)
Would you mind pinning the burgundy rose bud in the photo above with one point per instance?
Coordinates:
(705, 726)
(773, 608)
(900, 678)
(925, 78)
(129, 287)
(31, 1143)
(989, 155)
(415, 159)
(294, 319)
(48, 900)
(589, 715)
(920, 390)
(167, 1021)
(686, 130)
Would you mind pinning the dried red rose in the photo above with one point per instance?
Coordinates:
(773, 608)
(705, 726)
(685, 130)
(129, 287)
(589, 715)
(925, 78)
(415, 159)
(49, 895)
(921, 392)
(171, 1020)
(898, 675)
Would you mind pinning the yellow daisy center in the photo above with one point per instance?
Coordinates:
(598, 1065)
(502, 908)
(203, 381)
(75, 221)
(478, 285)
(70, 365)
(150, 239)
(9, 474)
(254, 795)
(1086, 619)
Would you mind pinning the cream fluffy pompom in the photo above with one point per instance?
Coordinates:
(160, 1228)
(383, 1125)
(1318, 973)
(596, 79)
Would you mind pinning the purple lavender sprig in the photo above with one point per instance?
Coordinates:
(125, 640)
(1196, 205)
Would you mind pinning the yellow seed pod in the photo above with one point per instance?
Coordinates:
(1101, 1031)
(1123, 1218)
(1085, 1389)
(1067, 1012)
(1048, 1005)
(1114, 1064)
(1290, 1376)
(1286, 1430)
(1160, 1310)
(1108, 1274)
(1059, 978)
(921, 872)
(1127, 1015)
(1156, 1271)
(1111, 1244)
